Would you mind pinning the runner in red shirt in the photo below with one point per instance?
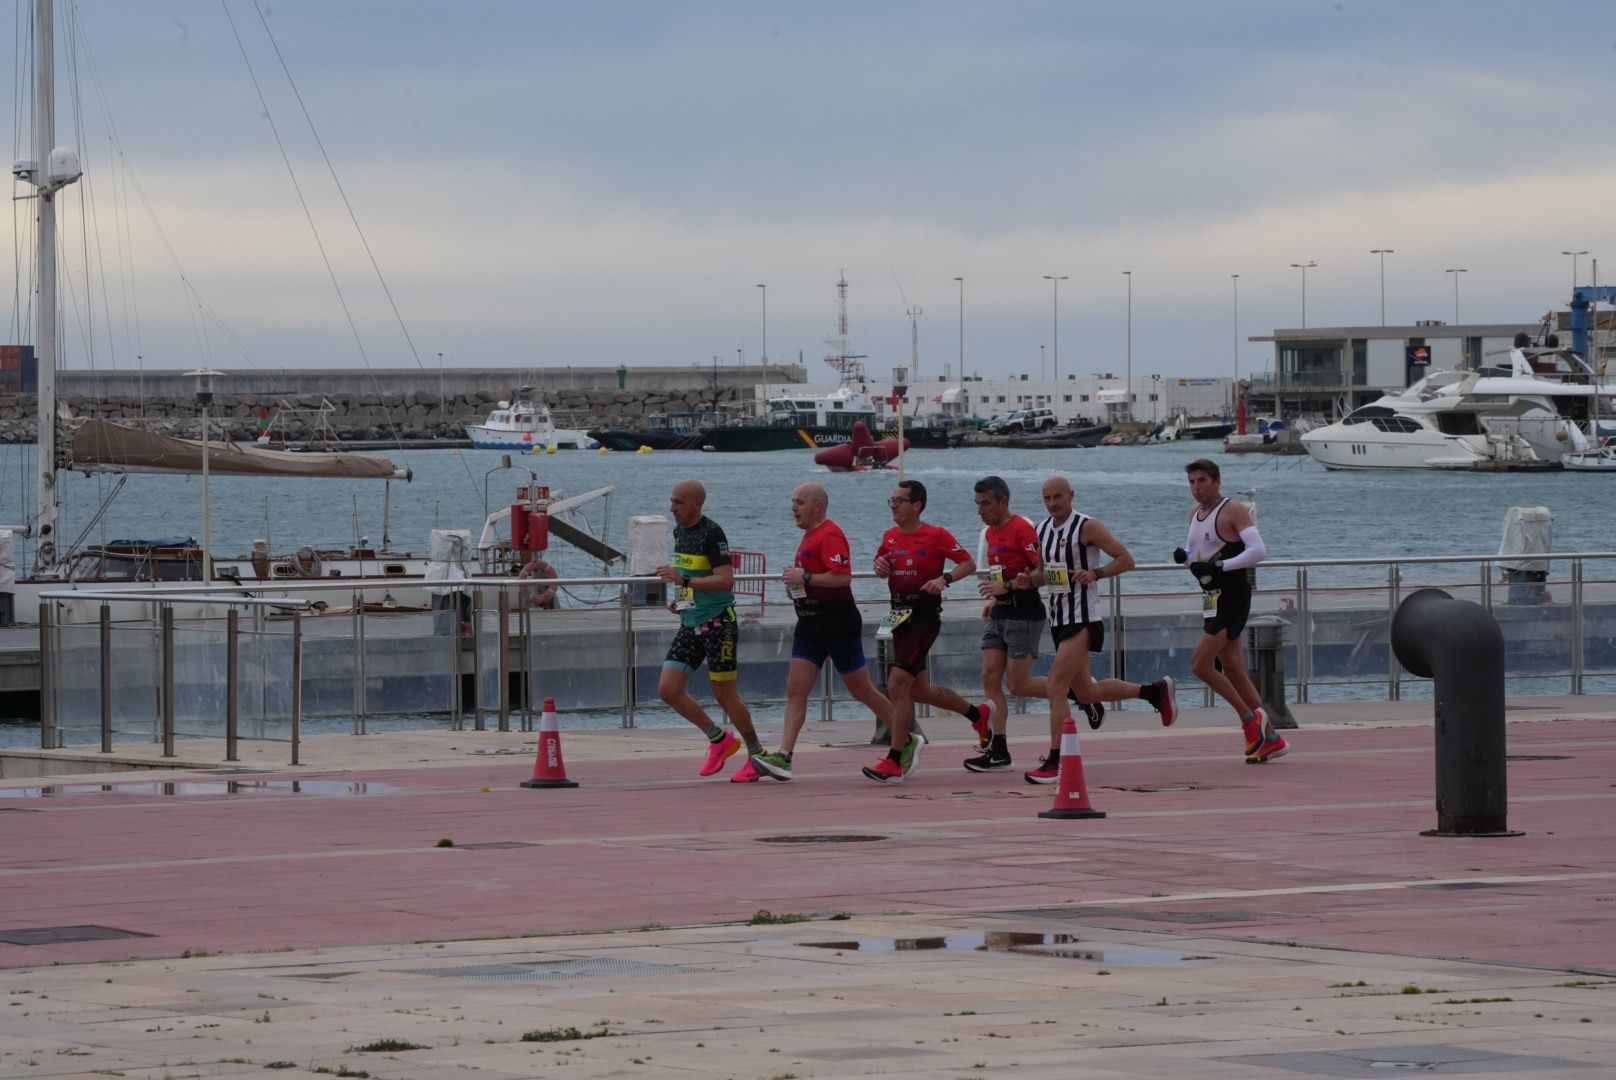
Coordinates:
(913, 559)
(820, 583)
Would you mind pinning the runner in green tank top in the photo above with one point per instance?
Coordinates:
(703, 581)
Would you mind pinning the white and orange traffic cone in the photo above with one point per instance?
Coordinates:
(548, 770)
(1071, 792)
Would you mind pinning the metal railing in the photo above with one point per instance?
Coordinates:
(243, 667)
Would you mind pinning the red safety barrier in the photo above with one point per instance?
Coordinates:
(750, 562)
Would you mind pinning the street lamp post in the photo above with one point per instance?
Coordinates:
(1041, 368)
(1055, 355)
(900, 379)
(765, 293)
(204, 398)
(1234, 387)
(1129, 275)
(1574, 255)
(961, 328)
(1456, 271)
(1382, 252)
(1304, 268)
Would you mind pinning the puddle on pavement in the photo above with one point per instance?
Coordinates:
(190, 788)
(1064, 946)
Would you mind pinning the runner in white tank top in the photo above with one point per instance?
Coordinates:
(1223, 543)
(1078, 553)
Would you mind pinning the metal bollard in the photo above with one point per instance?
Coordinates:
(1265, 658)
(1459, 645)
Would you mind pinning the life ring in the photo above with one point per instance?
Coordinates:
(306, 562)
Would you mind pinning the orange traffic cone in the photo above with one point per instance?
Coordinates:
(1071, 792)
(548, 770)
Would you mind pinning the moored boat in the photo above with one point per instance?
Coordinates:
(525, 424)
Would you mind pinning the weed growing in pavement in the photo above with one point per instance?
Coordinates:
(565, 1034)
(765, 917)
(386, 1046)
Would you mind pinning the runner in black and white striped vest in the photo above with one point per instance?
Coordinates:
(1077, 553)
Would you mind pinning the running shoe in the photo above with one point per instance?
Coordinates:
(988, 763)
(886, 770)
(1165, 704)
(983, 725)
(1253, 730)
(746, 774)
(911, 753)
(1095, 711)
(775, 765)
(1270, 744)
(720, 752)
(1047, 772)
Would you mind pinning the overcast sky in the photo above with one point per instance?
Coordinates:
(545, 184)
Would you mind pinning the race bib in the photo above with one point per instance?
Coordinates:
(890, 622)
(796, 592)
(1209, 603)
(684, 597)
(994, 574)
(1057, 579)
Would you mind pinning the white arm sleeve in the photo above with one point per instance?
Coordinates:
(1254, 553)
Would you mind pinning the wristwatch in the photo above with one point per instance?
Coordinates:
(807, 577)
(684, 580)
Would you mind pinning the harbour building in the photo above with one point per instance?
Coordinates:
(1330, 370)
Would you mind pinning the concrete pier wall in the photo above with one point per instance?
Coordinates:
(393, 403)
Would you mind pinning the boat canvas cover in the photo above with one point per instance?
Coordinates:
(102, 447)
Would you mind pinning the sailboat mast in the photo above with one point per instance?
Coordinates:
(45, 185)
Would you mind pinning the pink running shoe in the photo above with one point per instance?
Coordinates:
(746, 774)
(886, 770)
(720, 752)
(984, 726)
(1253, 730)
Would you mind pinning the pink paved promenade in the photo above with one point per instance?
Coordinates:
(1319, 849)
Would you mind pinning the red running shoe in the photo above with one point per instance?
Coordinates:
(1166, 706)
(886, 770)
(983, 725)
(1047, 772)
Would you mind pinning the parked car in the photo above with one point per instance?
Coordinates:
(1023, 420)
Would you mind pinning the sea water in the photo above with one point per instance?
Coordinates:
(1141, 492)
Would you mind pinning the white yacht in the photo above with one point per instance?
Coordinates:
(525, 425)
(1531, 411)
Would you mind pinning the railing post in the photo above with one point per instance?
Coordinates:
(478, 721)
(827, 688)
(49, 736)
(106, 677)
(1119, 653)
(360, 705)
(231, 673)
(1487, 585)
(1578, 643)
(297, 685)
(504, 640)
(1394, 670)
(625, 625)
(524, 628)
(456, 710)
(1304, 637)
(166, 617)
